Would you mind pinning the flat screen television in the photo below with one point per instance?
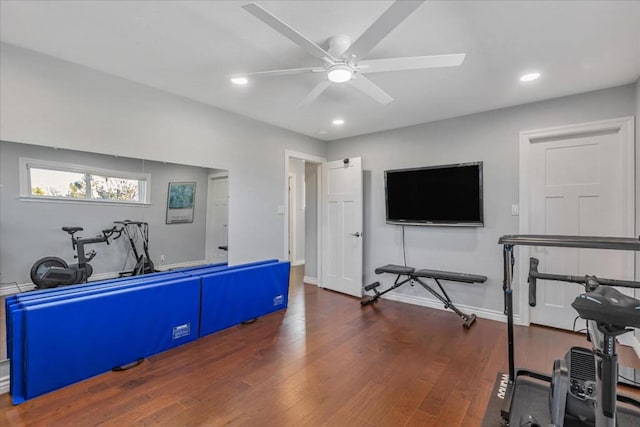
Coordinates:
(435, 195)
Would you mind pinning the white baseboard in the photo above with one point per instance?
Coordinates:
(432, 303)
(4, 376)
(11, 289)
(297, 262)
(310, 280)
(15, 289)
(185, 264)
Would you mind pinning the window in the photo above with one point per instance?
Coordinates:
(41, 179)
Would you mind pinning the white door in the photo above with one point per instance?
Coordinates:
(217, 220)
(578, 185)
(342, 225)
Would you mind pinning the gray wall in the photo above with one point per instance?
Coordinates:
(311, 221)
(54, 103)
(491, 137)
(30, 230)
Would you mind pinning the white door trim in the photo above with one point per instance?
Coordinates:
(208, 231)
(625, 127)
(288, 155)
(292, 223)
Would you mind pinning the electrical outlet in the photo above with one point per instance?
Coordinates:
(515, 210)
(162, 259)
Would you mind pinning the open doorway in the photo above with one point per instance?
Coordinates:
(217, 248)
(302, 219)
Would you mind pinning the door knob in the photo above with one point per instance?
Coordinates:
(356, 234)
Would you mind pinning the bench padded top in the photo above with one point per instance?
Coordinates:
(449, 275)
(395, 269)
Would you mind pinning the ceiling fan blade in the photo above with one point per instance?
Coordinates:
(315, 92)
(282, 72)
(410, 63)
(370, 88)
(284, 29)
(389, 20)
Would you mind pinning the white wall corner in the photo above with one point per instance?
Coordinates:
(310, 280)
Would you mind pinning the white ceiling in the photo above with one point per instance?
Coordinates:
(191, 49)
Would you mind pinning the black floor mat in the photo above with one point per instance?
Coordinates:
(532, 398)
(492, 413)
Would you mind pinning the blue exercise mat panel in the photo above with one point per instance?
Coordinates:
(74, 290)
(232, 297)
(59, 336)
(19, 302)
(68, 341)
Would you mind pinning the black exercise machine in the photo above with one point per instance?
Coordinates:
(410, 275)
(585, 395)
(137, 231)
(49, 272)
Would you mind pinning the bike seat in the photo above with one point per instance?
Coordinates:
(72, 230)
(608, 305)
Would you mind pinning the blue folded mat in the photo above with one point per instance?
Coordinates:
(18, 302)
(232, 297)
(62, 335)
(114, 329)
(90, 287)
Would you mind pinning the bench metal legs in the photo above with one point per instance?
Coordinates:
(377, 295)
(469, 319)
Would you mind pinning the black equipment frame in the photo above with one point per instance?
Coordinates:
(131, 229)
(584, 242)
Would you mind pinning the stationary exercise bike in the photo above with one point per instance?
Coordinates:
(49, 272)
(583, 384)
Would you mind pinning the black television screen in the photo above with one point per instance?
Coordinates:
(435, 195)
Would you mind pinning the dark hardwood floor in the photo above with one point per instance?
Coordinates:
(323, 361)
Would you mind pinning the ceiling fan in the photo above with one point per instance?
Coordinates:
(343, 61)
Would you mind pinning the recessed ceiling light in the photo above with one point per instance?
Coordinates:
(239, 81)
(529, 77)
(338, 122)
(340, 73)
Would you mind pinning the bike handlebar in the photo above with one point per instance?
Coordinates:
(106, 234)
(534, 274)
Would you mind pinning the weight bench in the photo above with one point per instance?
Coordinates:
(409, 275)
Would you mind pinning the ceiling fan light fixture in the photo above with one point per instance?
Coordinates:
(240, 81)
(529, 77)
(340, 73)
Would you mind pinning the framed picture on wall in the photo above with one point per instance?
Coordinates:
(180, 202)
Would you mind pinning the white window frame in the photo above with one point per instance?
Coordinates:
(25, 181)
